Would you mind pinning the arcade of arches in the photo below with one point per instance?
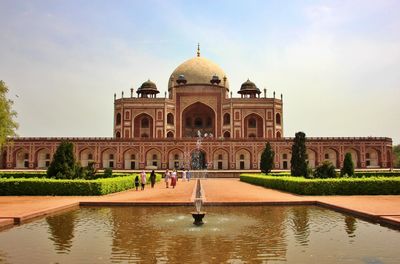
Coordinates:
(215, 154)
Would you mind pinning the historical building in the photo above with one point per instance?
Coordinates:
(163, 131)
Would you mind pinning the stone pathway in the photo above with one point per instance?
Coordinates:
(382, 208)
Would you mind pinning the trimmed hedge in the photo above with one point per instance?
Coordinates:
(23, 174)
(335, 186)
(42, 186)
(40, 174)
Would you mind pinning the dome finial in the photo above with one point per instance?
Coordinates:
(198, 49)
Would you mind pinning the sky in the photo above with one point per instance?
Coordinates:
(337, 63)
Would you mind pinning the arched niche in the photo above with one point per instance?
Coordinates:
(143, 126)
(198, 117)
(253, 126)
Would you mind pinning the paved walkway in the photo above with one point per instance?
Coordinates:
(381, 208)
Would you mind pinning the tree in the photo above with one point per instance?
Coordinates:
(267, 159)
(396, 154)
(63, 164)
(7, 115)
(299, 156)
(348, 166)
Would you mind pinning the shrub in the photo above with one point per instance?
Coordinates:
(90, 171)
(108, 172)
(63, 165)
(336, 186)
(267, 159)
(325, 170)
(348, 166)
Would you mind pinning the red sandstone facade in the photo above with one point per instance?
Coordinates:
(162, 132)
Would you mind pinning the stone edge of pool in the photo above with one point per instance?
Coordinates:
(385, 220)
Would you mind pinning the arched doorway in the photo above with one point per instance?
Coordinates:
(253, 126)
(242, 159)
(43, 158)
(22, 159)
(311, 158)
(198, 117)
(131, 160)
(372, 158)
(220, 160)
(332, 156)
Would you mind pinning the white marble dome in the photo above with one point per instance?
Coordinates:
(198, 70)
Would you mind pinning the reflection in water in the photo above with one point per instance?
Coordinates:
(167, 234)
(3, 257)
(258, 234)
(350, 225)
(61, 229)
(300, 225)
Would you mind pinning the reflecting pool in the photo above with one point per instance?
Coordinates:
(236, 234)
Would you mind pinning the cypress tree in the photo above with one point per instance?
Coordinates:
(267, 159)
(63, 164)
(348, 166)
(299, 155)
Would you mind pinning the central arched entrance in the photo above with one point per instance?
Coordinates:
(198, 117)
(198, 161)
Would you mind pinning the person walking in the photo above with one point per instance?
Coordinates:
(166, 178)
(137, 182)
(173, 178)
(183, 175)
(143, 179)
(188, 175)
(152, 178)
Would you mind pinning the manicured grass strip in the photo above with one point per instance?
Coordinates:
(336, 186)
(41, 186)
(360, 174)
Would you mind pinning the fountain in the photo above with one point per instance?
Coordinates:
(198, 160)
(198, 215)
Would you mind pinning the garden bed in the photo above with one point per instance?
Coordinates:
(43, 186)
(334, 186)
